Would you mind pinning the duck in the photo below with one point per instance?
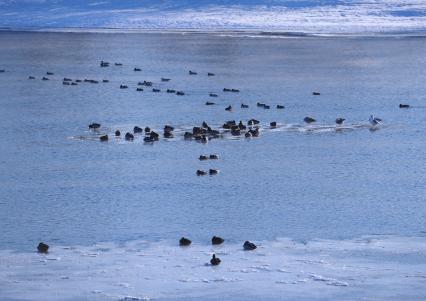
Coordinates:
(203, 158)
(137, 69)
(227, 90)
(309, 119)
(118, 64)
(273, 124)
(105, 81)
(103, 138)
(139, 89)
(266, 107)
(316, 93)
(94, 126)
(213, 171)
(153, 135)
(215, 260)
(31, 77)
(192, 72)
(148, 139)
(210, 74)
(156, 90)
(209, 103)
(253, 122)
(229, 108)
(249, 246)
(247, 134)
(214, 157)
(165, 79)
(43, 248)
(403, 106)
(137, 129)
(374, 120)
(184, 242)
(340, 121)
(168, 135)
(235, 90)
(168, 128)
(171, 91)
(243, 106)
(212, 94)
(216, 240)
(180, 93)
(104, 64)
(280, 107)
(67, 79)
(44, 78)
(147, 129)
(129, 136)
(201, 173)
(117, 133)
(205, 125)
(241, 126)
(123, 87)
(50, 73)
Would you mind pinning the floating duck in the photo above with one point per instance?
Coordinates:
(215, 260)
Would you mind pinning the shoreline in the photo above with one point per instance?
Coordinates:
(242, 32)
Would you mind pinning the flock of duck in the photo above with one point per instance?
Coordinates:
(43, 248)
(199, 133)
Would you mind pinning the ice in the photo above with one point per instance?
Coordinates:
(358, 268)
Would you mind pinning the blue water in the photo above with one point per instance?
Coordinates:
(60, 187)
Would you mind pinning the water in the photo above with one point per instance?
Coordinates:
(304, 184)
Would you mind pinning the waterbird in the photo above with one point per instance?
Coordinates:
(203, 158)
(340, 121)
(280, 107)
(104, 64)
(165, 79)
(210, 74)
(139, 89)
(273, 124)
(316, 93)
(137, 129)
(216, 240)
(184, 242)
(42, 248)
(403, 106)
(229, 108)
(103, 138)
(105, 81)
(129, 136)
(213, 171)
(123, 87)
(45, 78)
(212, 94)
(192, 72)
(209, 103)
(374, 120)
(147, 129)
(137, 69)
(171, 91)
(94, 125)
(215, 260)
(31, 77)
(309, 119)
(180, 93)
(243, 106)
(249, 246)
(50, 73)
(201, 173)
(214, 157)
(117, 133)
(156, 90)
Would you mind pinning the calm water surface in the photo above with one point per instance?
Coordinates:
(299, 184)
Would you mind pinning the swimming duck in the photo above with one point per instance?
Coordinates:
(215, 260)
(243, 106)
(129, 137)
(229, 108)
(201, 173)
(42, 248)
(184, 242)
(340, 121)
(216, 240)
(249, 246)
(309, 119)
(103, 138)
